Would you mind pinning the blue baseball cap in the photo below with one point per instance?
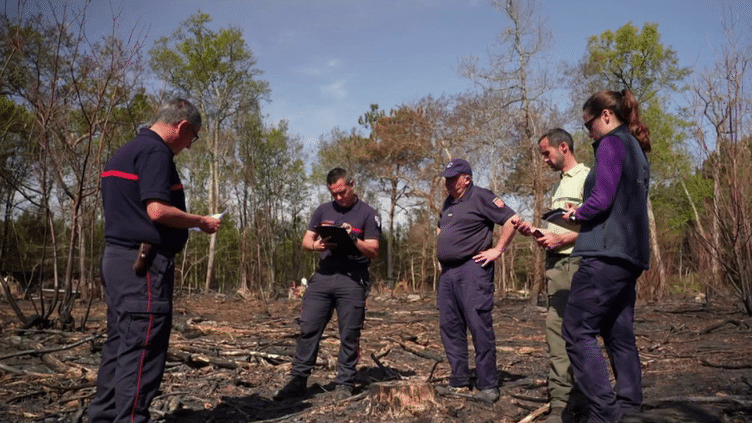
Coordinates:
(456, 167)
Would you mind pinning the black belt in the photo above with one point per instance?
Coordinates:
(454, 263)
(154, 249)
(347, 272)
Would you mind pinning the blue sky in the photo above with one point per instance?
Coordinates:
(327, 60)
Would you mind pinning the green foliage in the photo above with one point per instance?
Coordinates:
(635, 60)
(638, 61)
(215, 67)
(370, 117)
(672, 205)
(218, 71)
(669, 158)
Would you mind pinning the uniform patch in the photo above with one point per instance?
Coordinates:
(498, 202)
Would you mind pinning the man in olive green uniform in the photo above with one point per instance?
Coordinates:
(557, 149)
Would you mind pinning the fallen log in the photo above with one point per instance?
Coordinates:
(270, 356)
(716, 326)
(526, 397)
(21, 372)
(200, 360)
(423, 354)
(48, 359)
(743, 401)
(40, 351)
(534, 415)
(726, 366)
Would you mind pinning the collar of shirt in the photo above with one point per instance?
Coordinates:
(574, 171)
(146, 132)
(346, 209)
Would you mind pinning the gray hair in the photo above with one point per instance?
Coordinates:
(177, 110)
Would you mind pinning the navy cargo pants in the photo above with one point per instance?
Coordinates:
(326, 292)
(139, 315)
(602, 303)
(465, 300)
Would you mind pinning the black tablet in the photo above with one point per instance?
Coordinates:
(339, 236)
(553, 215)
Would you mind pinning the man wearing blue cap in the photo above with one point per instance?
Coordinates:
(464, 246)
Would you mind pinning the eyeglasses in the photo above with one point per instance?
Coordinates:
(195, 134)
(589, 124)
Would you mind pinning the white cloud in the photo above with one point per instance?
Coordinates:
(336, 90)
(325, 68)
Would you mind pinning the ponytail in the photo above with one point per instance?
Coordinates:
(624, 106)
(631, 112)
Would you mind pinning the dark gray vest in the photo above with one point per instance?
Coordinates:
(622, 232)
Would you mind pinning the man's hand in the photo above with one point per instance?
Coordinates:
(486, 257)
(507, 233)
(313, 242)
(321, 244)
(523, 227)
(209, 224)
(549, 240)
(571, 208)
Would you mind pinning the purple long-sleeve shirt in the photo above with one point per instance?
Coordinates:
(609, 158)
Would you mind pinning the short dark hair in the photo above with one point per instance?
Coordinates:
(336, 174)
(178, 110)
(557, 136)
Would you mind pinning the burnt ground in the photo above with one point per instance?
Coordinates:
(229, 354)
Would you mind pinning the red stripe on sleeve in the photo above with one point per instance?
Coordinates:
(119, 174)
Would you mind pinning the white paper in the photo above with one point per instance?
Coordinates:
(216, 216)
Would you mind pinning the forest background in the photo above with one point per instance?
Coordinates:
(69, 101)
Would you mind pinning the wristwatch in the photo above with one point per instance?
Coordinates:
(354, 237)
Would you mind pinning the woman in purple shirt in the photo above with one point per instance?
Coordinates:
(614, 245)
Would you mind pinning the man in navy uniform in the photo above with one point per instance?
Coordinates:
(145, 226)
(340, 282)
(466, 285)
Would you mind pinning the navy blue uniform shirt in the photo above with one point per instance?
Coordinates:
(141, 170)
(365, 223)
(467, 224)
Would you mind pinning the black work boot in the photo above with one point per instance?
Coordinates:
(490, 395)
(342, 392)
(294, 388)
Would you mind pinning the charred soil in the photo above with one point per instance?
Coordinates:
(228, 354)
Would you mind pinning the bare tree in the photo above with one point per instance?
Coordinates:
(722, 104)
(72, 88)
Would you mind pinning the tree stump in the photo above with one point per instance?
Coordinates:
(401, 398)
